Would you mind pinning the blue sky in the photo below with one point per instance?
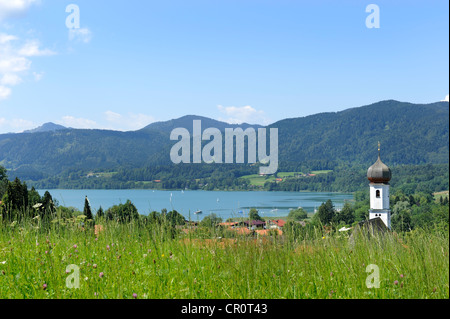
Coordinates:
(133, 62)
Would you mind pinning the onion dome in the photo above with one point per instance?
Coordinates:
(379, 172)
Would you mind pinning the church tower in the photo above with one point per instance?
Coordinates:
(379, 176)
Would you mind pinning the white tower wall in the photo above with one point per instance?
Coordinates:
(379, 203)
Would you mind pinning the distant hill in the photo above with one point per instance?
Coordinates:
(409, 134)
(187, 122)
(47, 127)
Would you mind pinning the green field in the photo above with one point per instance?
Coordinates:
(321, 172)
(147, 261)
(439, 195)
(257, 180)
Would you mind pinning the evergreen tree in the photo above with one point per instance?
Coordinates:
(100, 213)
(175, 218)
(254, 215)
(326, 212)
(346, 215)
(87, 209)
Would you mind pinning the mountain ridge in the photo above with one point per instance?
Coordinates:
(409, 134)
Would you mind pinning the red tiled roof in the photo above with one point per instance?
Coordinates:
(278, 222)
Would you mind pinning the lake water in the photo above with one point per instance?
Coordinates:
(223, 204)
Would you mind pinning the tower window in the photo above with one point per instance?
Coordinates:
(378, 194)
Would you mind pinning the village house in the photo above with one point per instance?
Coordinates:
(275, 224)
(254, 224)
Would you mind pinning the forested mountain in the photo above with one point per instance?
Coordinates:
(47, 127)
(409, 134)
(187, 121)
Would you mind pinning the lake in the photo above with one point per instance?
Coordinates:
(221, 203)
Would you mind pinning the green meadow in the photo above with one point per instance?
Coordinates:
(156, 261)
(258, 180)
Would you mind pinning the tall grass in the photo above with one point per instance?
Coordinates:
(150, 262)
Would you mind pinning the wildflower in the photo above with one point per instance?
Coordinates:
(101, 275)
(75, 246)
(163, 256)
(44, 286)
(76, 250)
(134, 295)
(401, 276)
(396, 282)
(107, 247)
(96, 239)
(331, 274)
(94, 266)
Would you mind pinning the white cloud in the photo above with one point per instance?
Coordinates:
(71, 121)
(15, 125)
(112, 116)
(5, 92)
(13, 64)
(13, 8)
(244, 114)
(81, 35)
(128, 122)
(10, 79)
(19, 125)
(15, 60)
(5, 38)
(31, 48)
(38, 76)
